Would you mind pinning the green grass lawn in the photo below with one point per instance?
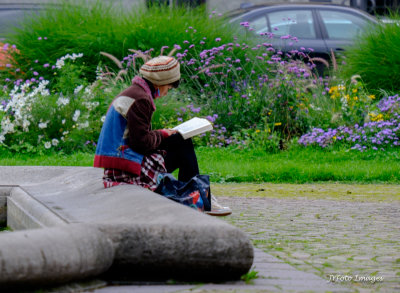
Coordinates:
(294, 166)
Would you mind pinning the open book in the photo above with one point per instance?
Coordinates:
(193, 127)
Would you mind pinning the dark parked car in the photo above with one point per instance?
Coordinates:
(321, 27)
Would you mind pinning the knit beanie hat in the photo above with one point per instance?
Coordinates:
(161, 70)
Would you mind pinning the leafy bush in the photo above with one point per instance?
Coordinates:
(375, 57)
(34, 119)
(256, 96)
(89, 27)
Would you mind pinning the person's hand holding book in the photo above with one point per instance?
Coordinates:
(170, 131)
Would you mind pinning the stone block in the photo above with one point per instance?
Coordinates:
(53, 255)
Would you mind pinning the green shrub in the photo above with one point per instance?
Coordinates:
(375, 57)
(35, 119)
(89, 27)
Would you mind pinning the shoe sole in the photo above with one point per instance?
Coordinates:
(220, 213)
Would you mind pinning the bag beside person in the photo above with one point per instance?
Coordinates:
(195, 193)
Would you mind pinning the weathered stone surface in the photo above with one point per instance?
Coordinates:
(198, 251)
(4, 191)
(3, 210)
(53, 255)
(153, 237)
(25, 212)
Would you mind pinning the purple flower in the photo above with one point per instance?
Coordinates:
(218, 39)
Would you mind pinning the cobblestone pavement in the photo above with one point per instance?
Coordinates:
(349, 241)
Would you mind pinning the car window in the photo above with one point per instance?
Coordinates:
(11, 18)
(342, 25)
(297, 23)
(260, 24)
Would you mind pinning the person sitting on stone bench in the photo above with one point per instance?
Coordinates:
(130, 151)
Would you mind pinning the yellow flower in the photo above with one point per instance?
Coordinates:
(278, 123)
(333, 89)
(334, 138)
(347, 97)
(355, 98)
(372, 97)
(258, 130)
(375, 117)
(354, 90)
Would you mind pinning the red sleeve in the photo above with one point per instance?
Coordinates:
(141, 138)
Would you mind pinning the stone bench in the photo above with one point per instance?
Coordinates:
(69, 227)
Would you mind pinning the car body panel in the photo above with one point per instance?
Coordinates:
(333, 26)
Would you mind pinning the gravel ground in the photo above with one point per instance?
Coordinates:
(353, 240)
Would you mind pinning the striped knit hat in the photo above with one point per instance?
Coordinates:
(161, 70)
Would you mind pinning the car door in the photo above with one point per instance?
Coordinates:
(286, 23)
(341, 28)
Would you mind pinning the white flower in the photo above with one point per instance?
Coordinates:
(65, 132)
(62, 101)
(43, 125)
(103, 119)
(25, 87)
(88, 91)
(40, 138)
(47, 144)
(54, 141)
(83, 125)
(7, 126)
(25, 125)
(60, 63)
(315, 108)
(63, 121)
(78, 89)
(76, 115)
(2, 138)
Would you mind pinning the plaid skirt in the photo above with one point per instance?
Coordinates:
(152, 166)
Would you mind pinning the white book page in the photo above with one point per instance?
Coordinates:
(193, 127)
(192, 124)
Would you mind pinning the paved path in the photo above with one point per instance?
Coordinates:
(274, 276)
(330, 238)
